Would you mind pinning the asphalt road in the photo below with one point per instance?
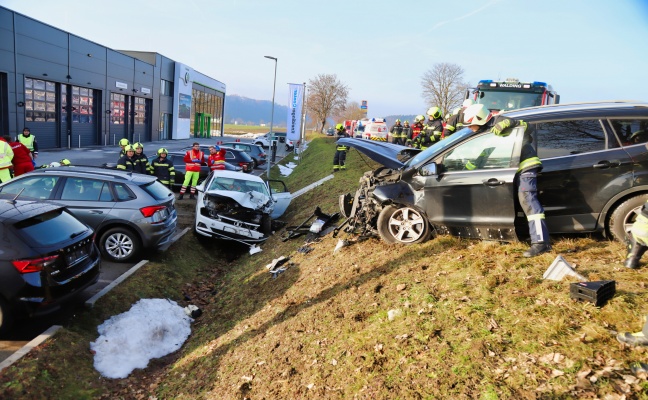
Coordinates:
(26, 330)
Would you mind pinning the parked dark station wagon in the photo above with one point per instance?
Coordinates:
(594, 177)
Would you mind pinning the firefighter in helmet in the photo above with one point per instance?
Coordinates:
(162, 168)
(397, 133)
(479, 119)
(455, 122)
(417, 127)
(340, 150)
(141, 160)
(431, 131)
(123, 142)
(406, 135)
(127, 162)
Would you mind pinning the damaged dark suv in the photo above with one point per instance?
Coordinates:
(594, 178)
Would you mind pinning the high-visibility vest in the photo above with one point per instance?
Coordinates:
(6, 155)
(28, 141)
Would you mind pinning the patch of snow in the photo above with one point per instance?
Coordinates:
(152, 328)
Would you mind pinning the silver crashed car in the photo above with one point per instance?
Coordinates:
(238, 206)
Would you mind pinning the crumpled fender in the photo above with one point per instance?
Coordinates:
(399, 192)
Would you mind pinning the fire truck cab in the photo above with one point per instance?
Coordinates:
(512, 94)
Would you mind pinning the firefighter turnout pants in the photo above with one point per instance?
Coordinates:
(338, 160)
(528, 196)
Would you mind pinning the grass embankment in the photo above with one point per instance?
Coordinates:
(449, 318)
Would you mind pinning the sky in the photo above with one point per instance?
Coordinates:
(587, 50)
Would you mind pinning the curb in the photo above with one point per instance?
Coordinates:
(29, 346)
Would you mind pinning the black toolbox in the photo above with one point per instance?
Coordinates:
(597, 292)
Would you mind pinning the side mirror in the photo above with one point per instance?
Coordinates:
(430, 169)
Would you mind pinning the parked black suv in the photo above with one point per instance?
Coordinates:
(128, 211)
(594, 177)
(46, 257)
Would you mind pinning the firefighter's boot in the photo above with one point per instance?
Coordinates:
(536, 249)
(635, 339)
(635, 251)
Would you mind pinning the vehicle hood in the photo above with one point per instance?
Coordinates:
(252, 199)
(384, 153)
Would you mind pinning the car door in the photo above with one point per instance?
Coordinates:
(281, 196)
(32, 186)
(90, 200)
(473, 195)
(583, 167)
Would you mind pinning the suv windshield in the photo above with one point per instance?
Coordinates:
(52, 227)
(509, 100)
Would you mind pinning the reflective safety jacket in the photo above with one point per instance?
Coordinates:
(397, 131)
(141, 163)
(163, 169)
(193, 160)
(217, 160)
(434, 129)
(6, 155)
(29, 142)
(454, 123)
(416, 129)
(407, 132)
(126, 163)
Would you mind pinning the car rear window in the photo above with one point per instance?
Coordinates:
(51, 227)
(157, 190)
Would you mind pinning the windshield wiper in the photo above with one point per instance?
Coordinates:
(75, 234)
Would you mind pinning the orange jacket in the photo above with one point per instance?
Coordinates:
(191, 162)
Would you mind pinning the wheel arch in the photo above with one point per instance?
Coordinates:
(613, 203)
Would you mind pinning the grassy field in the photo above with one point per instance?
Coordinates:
(231, 129)
(449, 318)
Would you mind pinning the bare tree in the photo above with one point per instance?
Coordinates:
(351, 111)
(443, 86)
(327, 97)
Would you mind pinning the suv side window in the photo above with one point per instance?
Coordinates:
(36, 187)
(81, 189)
(564, 138)
(123, 192)
(483, 152)
(631, 131)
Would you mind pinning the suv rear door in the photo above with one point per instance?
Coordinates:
(583, 168)
(90, 200)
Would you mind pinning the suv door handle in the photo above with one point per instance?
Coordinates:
(607, 164)
(493, 182)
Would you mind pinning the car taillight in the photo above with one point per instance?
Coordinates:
(34, 264)
(151, 210)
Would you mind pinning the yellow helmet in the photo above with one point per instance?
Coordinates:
(130, 147)
(65, 162)
(434, 112)
(398, 120)
(339, 127)
(124, 142)
(419, 118)
(162, 150)
(137, 145)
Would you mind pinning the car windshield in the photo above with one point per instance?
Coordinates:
(157, 190)
(237, 185)
(52, 227)
(438, 147)
(509, 100)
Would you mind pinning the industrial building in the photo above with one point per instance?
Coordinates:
(72, 92)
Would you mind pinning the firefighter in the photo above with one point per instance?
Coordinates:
(340, 150)
(22, 160)
(216, 158)
(638, 241)
(193, 159)
(479, 119)
(417, 127)
(162, 168)
(6, 155)
(406, 135)
(29, 141)
(434, 126)
(142, 165)
(637, 338)
(122, 146)
(127, 161)
(455, 122)
(397, 133)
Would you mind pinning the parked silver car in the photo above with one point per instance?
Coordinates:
(128, 211)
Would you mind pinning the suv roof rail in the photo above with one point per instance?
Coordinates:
(95, 170)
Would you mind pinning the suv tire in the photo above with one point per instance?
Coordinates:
(120, 245)
(403, 225)
(623, 216)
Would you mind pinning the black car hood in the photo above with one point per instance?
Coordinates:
(384, 153)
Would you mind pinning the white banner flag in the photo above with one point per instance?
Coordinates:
(295, 111)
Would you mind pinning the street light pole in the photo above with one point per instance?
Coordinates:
(274, 86)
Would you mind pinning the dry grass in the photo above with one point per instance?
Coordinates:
(473, 320)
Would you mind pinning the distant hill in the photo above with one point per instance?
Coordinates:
(243, 110)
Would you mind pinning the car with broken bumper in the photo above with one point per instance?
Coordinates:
(239, 207)
(594, 178)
